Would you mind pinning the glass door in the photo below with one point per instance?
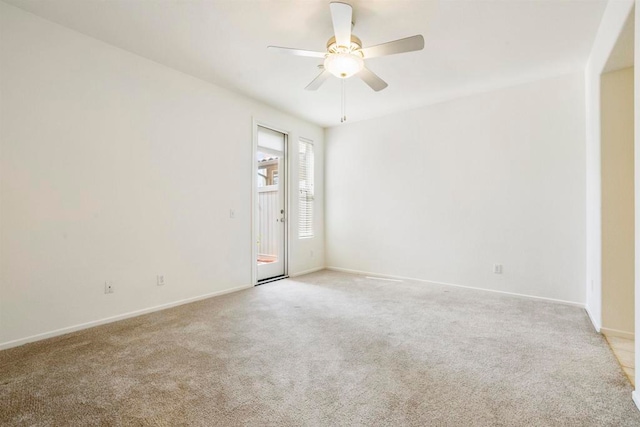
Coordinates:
(271, 197)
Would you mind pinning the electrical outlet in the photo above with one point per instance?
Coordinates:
(497, 268)
(108, 287)
(160, 280)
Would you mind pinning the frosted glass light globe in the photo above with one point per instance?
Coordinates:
(343, 65)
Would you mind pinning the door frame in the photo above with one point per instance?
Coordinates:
(254, 197)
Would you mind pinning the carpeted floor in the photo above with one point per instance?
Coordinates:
(326, 349)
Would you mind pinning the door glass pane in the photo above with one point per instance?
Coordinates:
(268, 208)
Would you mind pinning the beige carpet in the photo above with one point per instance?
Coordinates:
(326, 349)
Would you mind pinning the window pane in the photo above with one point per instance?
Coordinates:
(306, 190)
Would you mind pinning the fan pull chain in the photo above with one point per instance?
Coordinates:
(343, 105)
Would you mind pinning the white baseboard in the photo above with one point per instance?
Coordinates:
(302, 273)
(69, 329)
(595, 323)
(390, 276)
(617, 333)
(636, 398)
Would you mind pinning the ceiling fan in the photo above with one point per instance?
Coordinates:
(345, 55)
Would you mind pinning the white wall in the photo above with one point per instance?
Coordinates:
(636, 396)
(443, 192)
(617, 202)
(613, 22)
(114, 167)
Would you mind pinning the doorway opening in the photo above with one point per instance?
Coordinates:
(270, 175)
(617, 200)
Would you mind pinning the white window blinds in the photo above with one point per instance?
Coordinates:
(305, 187)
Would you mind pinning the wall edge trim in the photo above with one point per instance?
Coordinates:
(636, 398)
(390, 276)
(617, 333)
(111, 319)
(595, 324)
(309, 271)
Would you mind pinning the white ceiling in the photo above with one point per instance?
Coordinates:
(622, 55)
(470, 46)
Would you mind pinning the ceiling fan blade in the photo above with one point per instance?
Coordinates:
(341, 14)
(317, 82)
(409, 44)
(297, 52)
(370, 78)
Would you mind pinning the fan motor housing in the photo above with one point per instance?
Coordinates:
(332, 47)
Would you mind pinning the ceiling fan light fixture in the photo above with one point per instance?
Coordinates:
(343, 65)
